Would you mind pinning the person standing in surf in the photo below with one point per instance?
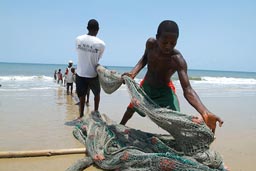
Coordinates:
(69, 77)
(60, 78)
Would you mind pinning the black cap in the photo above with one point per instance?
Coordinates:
(93, 25)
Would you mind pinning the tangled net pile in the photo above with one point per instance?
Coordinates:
(113, 146)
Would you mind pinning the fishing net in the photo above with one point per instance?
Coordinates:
(113, 146)
(110, 80)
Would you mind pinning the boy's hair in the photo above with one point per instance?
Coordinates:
(168, 26)
(93, 25)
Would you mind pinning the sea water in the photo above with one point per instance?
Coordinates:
(28, 77)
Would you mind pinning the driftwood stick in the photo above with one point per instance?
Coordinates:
(38, 153)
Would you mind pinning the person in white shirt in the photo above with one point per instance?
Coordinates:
(69, 77)
(89, 51)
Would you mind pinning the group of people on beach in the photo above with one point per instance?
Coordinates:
(58, 77)
(68, 80)
(162, 60)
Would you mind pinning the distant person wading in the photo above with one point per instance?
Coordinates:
(69, 77)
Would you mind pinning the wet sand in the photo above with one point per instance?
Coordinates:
(42, 123)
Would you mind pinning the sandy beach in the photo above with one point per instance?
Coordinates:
(41, 122)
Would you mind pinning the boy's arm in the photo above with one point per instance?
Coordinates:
(141, 64)
(192, 97)
(143, 61)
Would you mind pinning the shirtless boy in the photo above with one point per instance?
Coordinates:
(163, 60)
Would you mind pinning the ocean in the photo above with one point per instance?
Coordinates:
(37, 114)
(20, 77)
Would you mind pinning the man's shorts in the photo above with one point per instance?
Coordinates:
(69, 84)
(164, 96)
(83, 83)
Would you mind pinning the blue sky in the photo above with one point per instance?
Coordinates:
(214, 35)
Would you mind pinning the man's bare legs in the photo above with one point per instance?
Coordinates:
(96, 102)
(127, 115)
(87, 97)
(82, 103)
(81, 106)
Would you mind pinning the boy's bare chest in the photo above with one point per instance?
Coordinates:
(155, 60)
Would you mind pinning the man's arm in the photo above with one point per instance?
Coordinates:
(102, 49)
(192, 97)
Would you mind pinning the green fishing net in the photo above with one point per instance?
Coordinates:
(112, 146)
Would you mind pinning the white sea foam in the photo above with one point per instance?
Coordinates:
(227, 80)
(13, 90)
(218, 80)
(230, 83)
(24, 78)
(20, 83)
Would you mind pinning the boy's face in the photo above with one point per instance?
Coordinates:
(167, 41)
